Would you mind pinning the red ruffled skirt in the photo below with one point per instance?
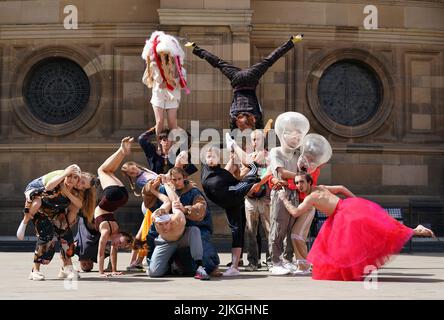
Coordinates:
(357, 238)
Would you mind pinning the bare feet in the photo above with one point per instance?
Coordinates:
(126, 145)
(422, 231)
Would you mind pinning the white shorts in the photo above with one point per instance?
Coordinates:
(165, 104)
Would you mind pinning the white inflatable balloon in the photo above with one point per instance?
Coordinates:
(290, 128)
(315, 151)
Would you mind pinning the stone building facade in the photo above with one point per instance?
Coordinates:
(377, 95)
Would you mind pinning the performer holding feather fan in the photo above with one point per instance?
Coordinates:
(165, 74)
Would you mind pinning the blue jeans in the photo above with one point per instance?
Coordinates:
(164, 251)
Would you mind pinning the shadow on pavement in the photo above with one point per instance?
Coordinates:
(124, 279)
(409, 280)
(409, 274)
(241, 277)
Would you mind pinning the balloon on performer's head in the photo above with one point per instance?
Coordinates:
(315, 151)
(290, 128)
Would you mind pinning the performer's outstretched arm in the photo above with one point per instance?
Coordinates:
(227, 69)
(339, 189)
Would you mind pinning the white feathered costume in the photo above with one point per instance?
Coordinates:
(164, 70)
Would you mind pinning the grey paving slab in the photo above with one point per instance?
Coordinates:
(408, 276)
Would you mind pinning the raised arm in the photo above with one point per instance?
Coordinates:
(147, 146)
(76, 201)
(339, 189)
(165, 199)
(172, 195)
(55, 181)
(182, 161)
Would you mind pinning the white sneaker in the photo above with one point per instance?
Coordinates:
(36, 276)
(231, 272)
(290, 266)
(279, 270)
(301, 272)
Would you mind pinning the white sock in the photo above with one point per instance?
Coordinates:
(21, 230)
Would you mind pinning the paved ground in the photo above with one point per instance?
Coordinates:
(418, 276)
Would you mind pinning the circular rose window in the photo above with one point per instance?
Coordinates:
(56, 91)
(349, 93)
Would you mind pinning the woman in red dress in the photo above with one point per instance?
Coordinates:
(357, 234)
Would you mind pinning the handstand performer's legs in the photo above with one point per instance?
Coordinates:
(257, 70)
(107, 169)
(227, 69)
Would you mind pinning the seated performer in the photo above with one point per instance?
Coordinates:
(245, 111)
(173, 234)
(357, 234)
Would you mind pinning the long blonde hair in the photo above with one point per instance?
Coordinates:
(124, 170)
(169, 68)
(89, 196)
(148, 75)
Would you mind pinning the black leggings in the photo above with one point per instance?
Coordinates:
(236, 221)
